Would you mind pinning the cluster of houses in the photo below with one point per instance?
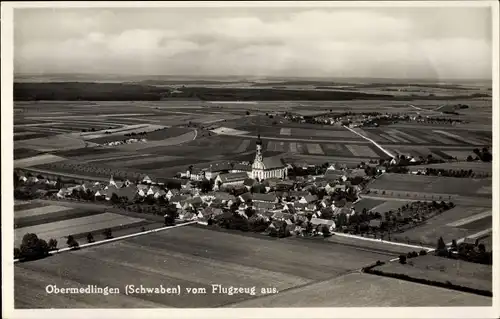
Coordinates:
(128, 141)
(35, 180)
(281, 201)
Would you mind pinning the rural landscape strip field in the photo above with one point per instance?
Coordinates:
(61, 229)
(41, 210)
(193, 257)
(434, 268)
(364, 290)
(438, 226)
(37, 160)
(470, 219)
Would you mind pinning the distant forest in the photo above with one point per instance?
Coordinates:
(90, 91)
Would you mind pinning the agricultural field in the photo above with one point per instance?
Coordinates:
(59, 230)
(457, 223)
(21, 153)
(194, 257)
(440, 269)
(432, 185)
(37, 160)
(364, 290)
(428, 136)
(389, 205)
(367, 203)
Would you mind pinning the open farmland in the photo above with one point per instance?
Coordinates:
(451, 224)
(477, 167)
(443, 270)
(389, 205)
(21, 153)
(37, 160)
(367, 203)
(37, 213)
(194, 257)
(424, 136)
(59, 230)
(363, 290)
(434, 185)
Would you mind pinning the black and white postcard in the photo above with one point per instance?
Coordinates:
(250, 159)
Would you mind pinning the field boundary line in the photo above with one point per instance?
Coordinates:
(105, 241)
(383, 241)
(370, 140)
(470, 219)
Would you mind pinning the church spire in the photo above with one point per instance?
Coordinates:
(258, 154)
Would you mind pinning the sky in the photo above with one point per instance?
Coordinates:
(423, 43)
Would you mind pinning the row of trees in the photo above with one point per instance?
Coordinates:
(450, 172)
(483, 154)
(32, 247)
(476, 252)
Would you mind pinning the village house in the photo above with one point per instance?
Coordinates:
(216, 169)
(319, 223)
(171, 193)
(263, 206)
(229, 179)
(358, 172)
(335, 175)
(297, 194)
(381, 169)
(32, 180)
(147, 180)
(185, 184)
(249, 183)
(268, 198)
(308, 199)
(223, 196)
(241, 168)
(22, 177)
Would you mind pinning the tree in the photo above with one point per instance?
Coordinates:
(59, 184)
(71, 242)
(423, 252)
(171, 215)
(454, 245)
(326, 231)
(108, 233)
(32, 247)
(402, 259)
(16, 180)
(441, 247)
(52, 244)
(90, 238)
(17, 253)
(248, 113)
(115, 199)
(481, 248)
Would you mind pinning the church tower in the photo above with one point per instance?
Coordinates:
(258, 164)
(258, 154)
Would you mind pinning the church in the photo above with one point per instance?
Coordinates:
(264, 168)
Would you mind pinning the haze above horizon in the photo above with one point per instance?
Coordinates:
(336, 43)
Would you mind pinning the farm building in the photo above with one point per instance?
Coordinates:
(319, 223)
(230, 179)
(215, 170)
(268, 198)
(264, 168)
(333, 175)
(239, 168)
